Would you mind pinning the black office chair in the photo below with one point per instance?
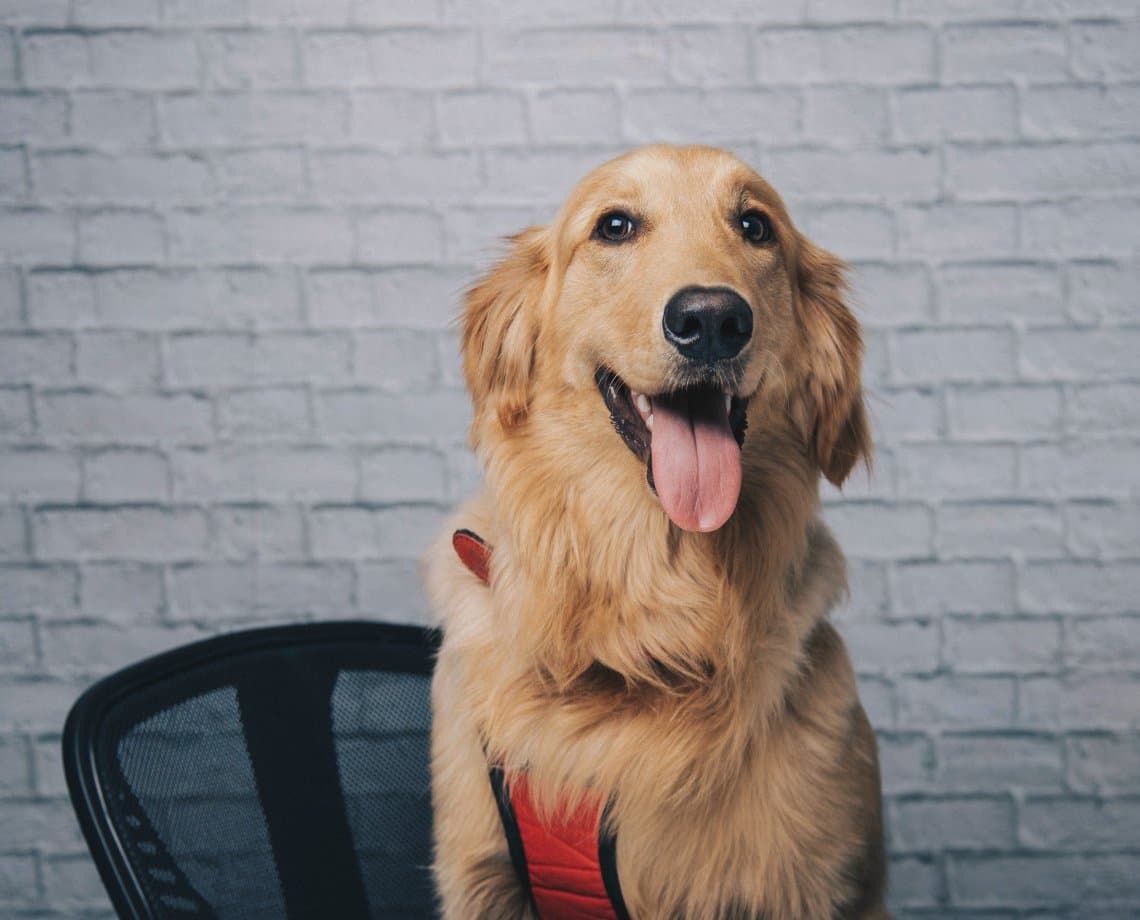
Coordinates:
(274, 773)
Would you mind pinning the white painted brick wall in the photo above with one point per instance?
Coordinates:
(233, 236)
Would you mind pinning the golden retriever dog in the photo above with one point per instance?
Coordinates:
(659, 378)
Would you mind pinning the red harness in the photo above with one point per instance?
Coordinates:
(568, 866)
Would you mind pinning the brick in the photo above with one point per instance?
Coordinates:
(877, 698)
(73, 881)
(13, 541)
(1080, 587)
(906, 175)
(60, 299)
(723, 117)
(403, 475)
(200, 120)
(125, 476)
(1078, 470)
(958, 230)
(1102, 643)
(1107, 409)
(395, 179)
(991, 53)
(266, 414)
(121, 238)
(916, 882)
(263, 174)
(11, 297)
(226, 591)
(142, 533)
(935, 356)
(121, 592)
(33, 117)
(113, 119)
(15, 771)
(117, 359)
(144, 60)
(18, 653)
(50, 591)
(709, 56)
(211, 359)
(36, 237)
(369, 416)
(38, 475)
(956, 702)
(574, 116)
(178, 299)
(244, 473)
(396, 360)
(35, 357)
(900, 415)
(16, 418)
(244, 60)
(301, 12)
(1079, 702)
(926, 588)
(1106, 51)
(7, 58)
(1101, 764)
(546, 12)
(41, 823)
(868, 54)
(104, 13)
(13, 175)
(980, 293)
(258, 531)
(1081, 824)
(846, 11)
(858, 231)
(143, 418)
(892, 648)
(55, 59)
(1080, 112)
(1103, 530)
(401, 57)
(373, 533)
(1080, 354)
(19, 881)
(1088, 228)
(955, 471)
(1004, 413)
(306, 236)
(850, 114)
(1046, 881)
(907, 762)
(396, 13)
(1001, 646)
(1055, 170)
(926, 115)
(39, 704)
(45, 13)
(957, 824)
(206, 12)
(480, 117)
(74, 649)
(399, 237)
(891, 294)
(392, 591)
(544, 177)
(869, 531)
(574, 57)
(392, 119)
(409, 298)
(993, 529)
(992, 764)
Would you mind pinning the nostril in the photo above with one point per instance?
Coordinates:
(690, 328)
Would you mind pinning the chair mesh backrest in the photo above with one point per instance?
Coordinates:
(276, 773)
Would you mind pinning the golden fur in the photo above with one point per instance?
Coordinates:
(691, 679)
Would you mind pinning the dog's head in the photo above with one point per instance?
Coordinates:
(673, 282)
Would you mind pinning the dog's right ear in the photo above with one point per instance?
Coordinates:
(500, 325)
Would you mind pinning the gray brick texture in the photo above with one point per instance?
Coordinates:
(233, 240)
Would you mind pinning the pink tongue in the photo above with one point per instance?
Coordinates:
(696, 460)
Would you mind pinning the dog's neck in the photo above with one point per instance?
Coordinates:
(600, 592)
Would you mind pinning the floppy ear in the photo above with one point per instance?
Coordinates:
(500, 325)
(828, 404)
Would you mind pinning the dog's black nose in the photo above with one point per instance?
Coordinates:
(707, 324)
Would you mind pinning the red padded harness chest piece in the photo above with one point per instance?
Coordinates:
(567, 865)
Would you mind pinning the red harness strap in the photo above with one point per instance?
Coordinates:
(567, 866)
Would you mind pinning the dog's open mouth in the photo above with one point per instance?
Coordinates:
(690, 441)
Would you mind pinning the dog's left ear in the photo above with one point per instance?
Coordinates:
(828, 402)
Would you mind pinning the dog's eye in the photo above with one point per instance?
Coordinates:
(756, 227)
(615, 227)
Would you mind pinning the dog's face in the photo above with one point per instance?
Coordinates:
(673, 282)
